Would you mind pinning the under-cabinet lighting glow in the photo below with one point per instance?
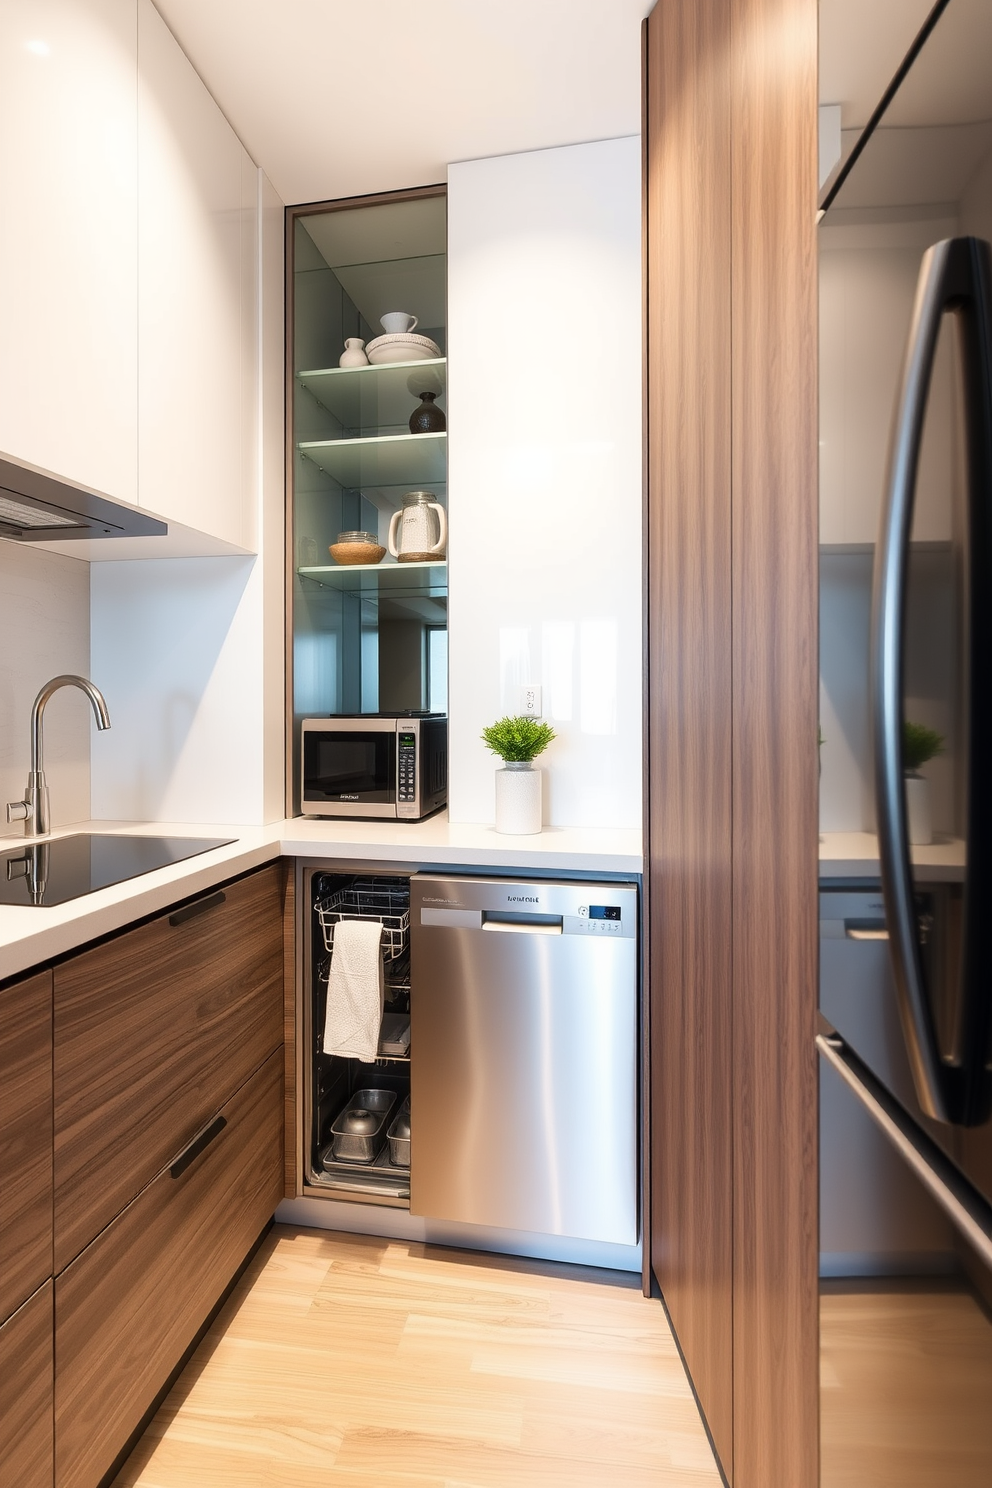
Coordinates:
(38, 47)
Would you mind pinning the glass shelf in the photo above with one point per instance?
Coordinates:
(382, 460)
(425, 580)
(375, 397)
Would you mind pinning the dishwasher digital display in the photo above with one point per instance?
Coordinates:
(604, 911)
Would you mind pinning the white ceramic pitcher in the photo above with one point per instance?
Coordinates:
(422, 527)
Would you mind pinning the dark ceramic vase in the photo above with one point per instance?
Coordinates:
(428, 419)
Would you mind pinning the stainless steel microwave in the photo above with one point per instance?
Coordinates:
(375, 765)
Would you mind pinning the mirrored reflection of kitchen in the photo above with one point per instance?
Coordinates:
(905, 463)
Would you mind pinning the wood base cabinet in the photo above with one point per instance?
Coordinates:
(129, 1307)
(153, 1031)
(26, 1394)
(25, 1139)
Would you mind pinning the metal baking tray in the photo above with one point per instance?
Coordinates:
(348, 1146)
(399, 1147)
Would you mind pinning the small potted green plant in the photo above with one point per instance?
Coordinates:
(518, 742)
(919, 745)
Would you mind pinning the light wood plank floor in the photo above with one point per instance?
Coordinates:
(344, 1360)
(906, 1387)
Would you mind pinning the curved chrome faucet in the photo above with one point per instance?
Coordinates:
(34, 809)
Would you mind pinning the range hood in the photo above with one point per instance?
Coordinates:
(36, 506)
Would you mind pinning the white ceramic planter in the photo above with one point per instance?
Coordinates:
(518, 799)
(918, 819)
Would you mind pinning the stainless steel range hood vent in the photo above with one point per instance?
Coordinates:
(36, 506)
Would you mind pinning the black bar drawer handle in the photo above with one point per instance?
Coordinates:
(199, 907)
(198, 1144)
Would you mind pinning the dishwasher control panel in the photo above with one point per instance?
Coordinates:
(596, 919)
(539, 908)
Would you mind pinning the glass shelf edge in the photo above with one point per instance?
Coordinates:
(310, 444)
(346, 568)
(372, 367)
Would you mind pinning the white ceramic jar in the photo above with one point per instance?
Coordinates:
(919, 821)
(519, 798)
(354, 353)
(419, 530)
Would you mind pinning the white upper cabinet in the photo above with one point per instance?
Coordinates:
(68, 239)
(128, 268)
(197, 255)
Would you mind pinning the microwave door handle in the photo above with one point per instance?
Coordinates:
(954, 276)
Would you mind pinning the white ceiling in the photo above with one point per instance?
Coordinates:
(862, 43)
(337, 98)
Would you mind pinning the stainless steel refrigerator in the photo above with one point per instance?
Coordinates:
(906, 943)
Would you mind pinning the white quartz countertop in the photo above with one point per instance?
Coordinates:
(855, 855)
(32, 935)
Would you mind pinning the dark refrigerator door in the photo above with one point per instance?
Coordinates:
(918, 196)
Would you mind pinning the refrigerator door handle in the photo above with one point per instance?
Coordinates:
(966, 1208)
(956, 276)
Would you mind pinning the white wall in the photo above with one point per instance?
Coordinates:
(45, 625)
(68, 239)
(544, 405)
(189, 650)
(868, 278)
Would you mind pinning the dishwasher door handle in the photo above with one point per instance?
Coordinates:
(866, 930)
(522, 924)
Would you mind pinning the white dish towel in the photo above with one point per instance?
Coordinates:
(355, 996)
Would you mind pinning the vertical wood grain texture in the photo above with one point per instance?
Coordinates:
(775, 666)
(26, 1454)
(732, 582)
(290, 1052)
(25, 1138)
(154, 1029)
(128, 1308)
(689, 679)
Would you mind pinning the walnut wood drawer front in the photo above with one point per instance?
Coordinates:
(26, 1394)
(128, 1308)
(25, 1139)
(153, 1031)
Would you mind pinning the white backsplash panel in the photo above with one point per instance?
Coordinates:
(45, 621)
(544, 408)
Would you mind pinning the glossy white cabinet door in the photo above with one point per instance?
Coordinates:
(68, 254)
(197, 222)
(544, 472)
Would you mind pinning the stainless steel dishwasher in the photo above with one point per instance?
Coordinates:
(524, 1070)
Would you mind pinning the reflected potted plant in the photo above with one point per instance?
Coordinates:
(919, 745)
(518, 742)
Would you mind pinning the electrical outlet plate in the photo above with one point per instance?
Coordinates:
(530, 700)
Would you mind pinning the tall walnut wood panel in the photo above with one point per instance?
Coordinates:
(25, 1139)
(129, 1307)
(26, 1394)
(775, 664)
(732, 758)
(289, 1023)
(153, 1031)
(689, 684)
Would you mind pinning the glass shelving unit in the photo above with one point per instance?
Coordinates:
(375, 398)
(406, 460)
(370, 637)
(421, 580)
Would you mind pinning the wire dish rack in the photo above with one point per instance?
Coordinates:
(371, 898)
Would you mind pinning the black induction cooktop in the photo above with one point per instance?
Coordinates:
(53, 871)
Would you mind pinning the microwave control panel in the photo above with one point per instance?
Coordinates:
(406, 769)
